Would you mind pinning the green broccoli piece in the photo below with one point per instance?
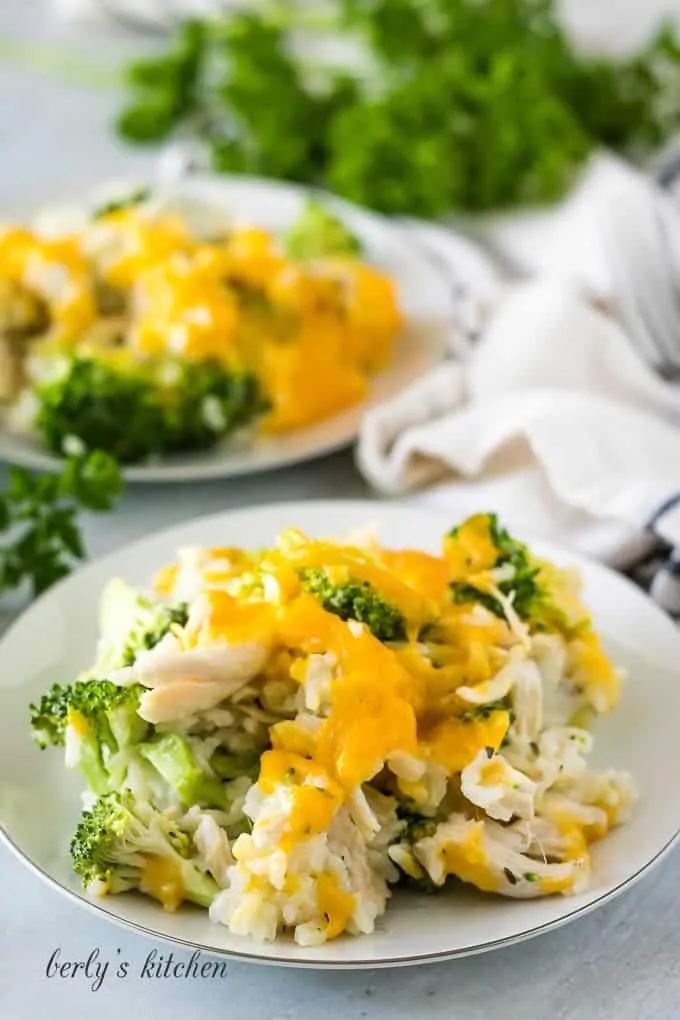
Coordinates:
(99, 725)
(417, 826)
(158, 407)
(356, 600)
(137, 197)
(318, 234)
(95, 720)
(118, 412)
(230, 766)
(208, 402)
(523, 587)
(412, 873)
(48, 716)
(130, 623)
(174, 760)
(120, 842)
(147, 633)
(481, 712)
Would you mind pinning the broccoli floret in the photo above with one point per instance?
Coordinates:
(98, 724)
(134, 198)
(356, 600)
(173, 759)
(121, 845)
(161, 406)
(209, 403)
(118, 412)
(522, 586)
(412, 873)
(48, 716)
(148, 633)
(131, 623)
(417, 826)
(318, 234)
(95, 720)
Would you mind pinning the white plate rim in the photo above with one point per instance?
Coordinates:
(299, 963)
(371, 509)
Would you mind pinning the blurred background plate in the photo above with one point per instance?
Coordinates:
(424, 298)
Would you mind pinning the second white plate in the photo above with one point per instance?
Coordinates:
(424, 297)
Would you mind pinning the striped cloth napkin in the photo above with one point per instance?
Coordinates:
(551, 417)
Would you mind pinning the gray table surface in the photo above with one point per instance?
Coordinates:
(623, 961)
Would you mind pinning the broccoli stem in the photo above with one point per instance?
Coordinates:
(173, 759)
(199, 888)
(84, 751)
(234, 766)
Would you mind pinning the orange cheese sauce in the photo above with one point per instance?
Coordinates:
(165, 579)
(373, 700)
(162, 880)
(287, 735)
(55, 270)
(471, 550)
(366, 702)
(493, 773)
(335, 905)
(552, 884)
(219, 616)
(141, 242)
(469, 862)
(186, 309)
(454, 743)
(430, 576)
(78, 722)
(315, 795)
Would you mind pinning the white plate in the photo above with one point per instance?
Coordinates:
(39, 801)
(424, 298)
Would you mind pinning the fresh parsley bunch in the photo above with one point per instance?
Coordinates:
(38, 518)
(447, 105)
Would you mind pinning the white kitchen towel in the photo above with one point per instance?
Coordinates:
(553, 419)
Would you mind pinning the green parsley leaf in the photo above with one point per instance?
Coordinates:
(444, 105)
(38, 515)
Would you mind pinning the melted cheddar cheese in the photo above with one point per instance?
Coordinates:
(373, 700)
(314, 795)
(335, 905)
(469, 862)
(471, 549)
(186, 309)
(162, 880)
(218, 616)
(454, 743)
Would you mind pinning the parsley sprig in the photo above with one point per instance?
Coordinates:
(39, 518)
(444, 105)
